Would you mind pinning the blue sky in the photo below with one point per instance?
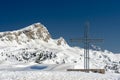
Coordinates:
(66, 18)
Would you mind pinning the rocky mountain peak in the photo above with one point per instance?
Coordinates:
(32, 32)
(37, 31)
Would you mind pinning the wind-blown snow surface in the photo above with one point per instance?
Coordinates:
(34, 44)
(55, 75)
(34, 71)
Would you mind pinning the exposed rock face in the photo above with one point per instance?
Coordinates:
(61, 41)
(42, 32)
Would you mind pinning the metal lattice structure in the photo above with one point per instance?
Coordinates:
(86, 40)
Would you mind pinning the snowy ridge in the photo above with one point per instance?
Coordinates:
(35, 44)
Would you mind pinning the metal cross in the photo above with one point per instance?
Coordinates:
(86, 40)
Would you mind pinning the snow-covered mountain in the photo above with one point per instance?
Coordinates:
(35, 44)
(27, 35)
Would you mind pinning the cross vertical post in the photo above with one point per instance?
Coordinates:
(86, 47)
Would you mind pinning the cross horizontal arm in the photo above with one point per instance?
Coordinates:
(95, 40)
(88, 40)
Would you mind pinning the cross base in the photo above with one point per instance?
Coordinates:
(102, 71)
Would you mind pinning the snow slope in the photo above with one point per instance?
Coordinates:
(34, 44)
(55, 75)
(34, 71)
